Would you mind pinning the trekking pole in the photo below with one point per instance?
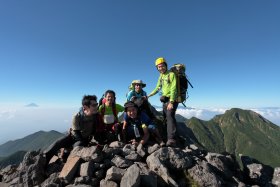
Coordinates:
(190, 83)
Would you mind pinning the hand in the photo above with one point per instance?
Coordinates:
(170, 106)
(144, 97)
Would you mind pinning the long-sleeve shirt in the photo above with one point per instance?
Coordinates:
(134, 93)
(167, 84)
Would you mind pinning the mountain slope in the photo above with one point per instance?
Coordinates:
(14, 158)
(38, 140)
(239, 132)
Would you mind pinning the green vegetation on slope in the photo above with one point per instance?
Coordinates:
(240, 132)
(13, 159)
(36, 141)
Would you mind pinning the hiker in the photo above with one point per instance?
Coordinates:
(167, 85)
(86, 124)
(137, 125)
(139, 97)
(109, 111)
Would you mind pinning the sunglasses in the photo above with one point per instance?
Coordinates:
(138, 84)
(94, 105)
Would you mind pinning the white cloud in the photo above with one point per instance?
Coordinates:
(204, 114)
(270, 113)
(7, 114)
(18, 122)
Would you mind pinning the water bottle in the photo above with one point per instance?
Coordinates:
(136, 131)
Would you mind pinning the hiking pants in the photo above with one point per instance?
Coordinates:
(66, 141)
(146, 108)
(169, 115)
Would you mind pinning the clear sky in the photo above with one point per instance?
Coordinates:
(54, 52)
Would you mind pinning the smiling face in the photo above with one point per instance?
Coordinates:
(138, 87)
(110, 99)
(162, 68)
(132, 112)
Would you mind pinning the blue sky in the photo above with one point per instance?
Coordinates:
(54, 52)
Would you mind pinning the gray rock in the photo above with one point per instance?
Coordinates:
(223, 163)
(115, 174)
(173, 158)
(121, 162)
(259, 174)
(79, 185)
(276, 176)
(116, 144)
(204, 175)
(148, 177)
(70, 168)
(106, 183)
(153, 148)
(87, 169)
(82, 180)
(133, 156)
(87, 153)
(127, 149)
(53, 180)
(141, 150)
(29, 173)
(168, 158)
(100, 173)
(110, 152)
(131, 177)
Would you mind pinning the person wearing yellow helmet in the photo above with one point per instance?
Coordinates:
(167, 85)
(160, 60)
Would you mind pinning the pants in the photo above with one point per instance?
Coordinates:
(66, 141)
(169, 115)
(146, 108)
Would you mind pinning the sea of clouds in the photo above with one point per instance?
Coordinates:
(21, 121)
(270, 113)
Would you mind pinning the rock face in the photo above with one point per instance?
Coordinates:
(128, 165)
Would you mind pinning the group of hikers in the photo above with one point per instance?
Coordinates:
(99, 120)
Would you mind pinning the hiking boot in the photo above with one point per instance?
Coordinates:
(171, 143)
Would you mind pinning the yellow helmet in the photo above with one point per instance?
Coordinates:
(160, 60)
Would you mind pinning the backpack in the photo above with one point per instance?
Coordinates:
(182, 82)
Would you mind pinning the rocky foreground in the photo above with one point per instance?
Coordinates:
(128, 165)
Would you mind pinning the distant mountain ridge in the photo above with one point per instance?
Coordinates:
(38, 140)
(240, 132)
(237, 131)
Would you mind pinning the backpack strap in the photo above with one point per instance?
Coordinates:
(103, 109)
(115, 112)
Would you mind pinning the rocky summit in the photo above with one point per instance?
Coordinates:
(126, 165)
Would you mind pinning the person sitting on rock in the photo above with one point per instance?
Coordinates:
(137, 125)
(139, 97)
(86, 124)
(109, 111)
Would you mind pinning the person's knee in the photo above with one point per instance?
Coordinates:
(78, 143)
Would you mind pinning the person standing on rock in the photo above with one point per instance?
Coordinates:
(167, 85)
(86, 124)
